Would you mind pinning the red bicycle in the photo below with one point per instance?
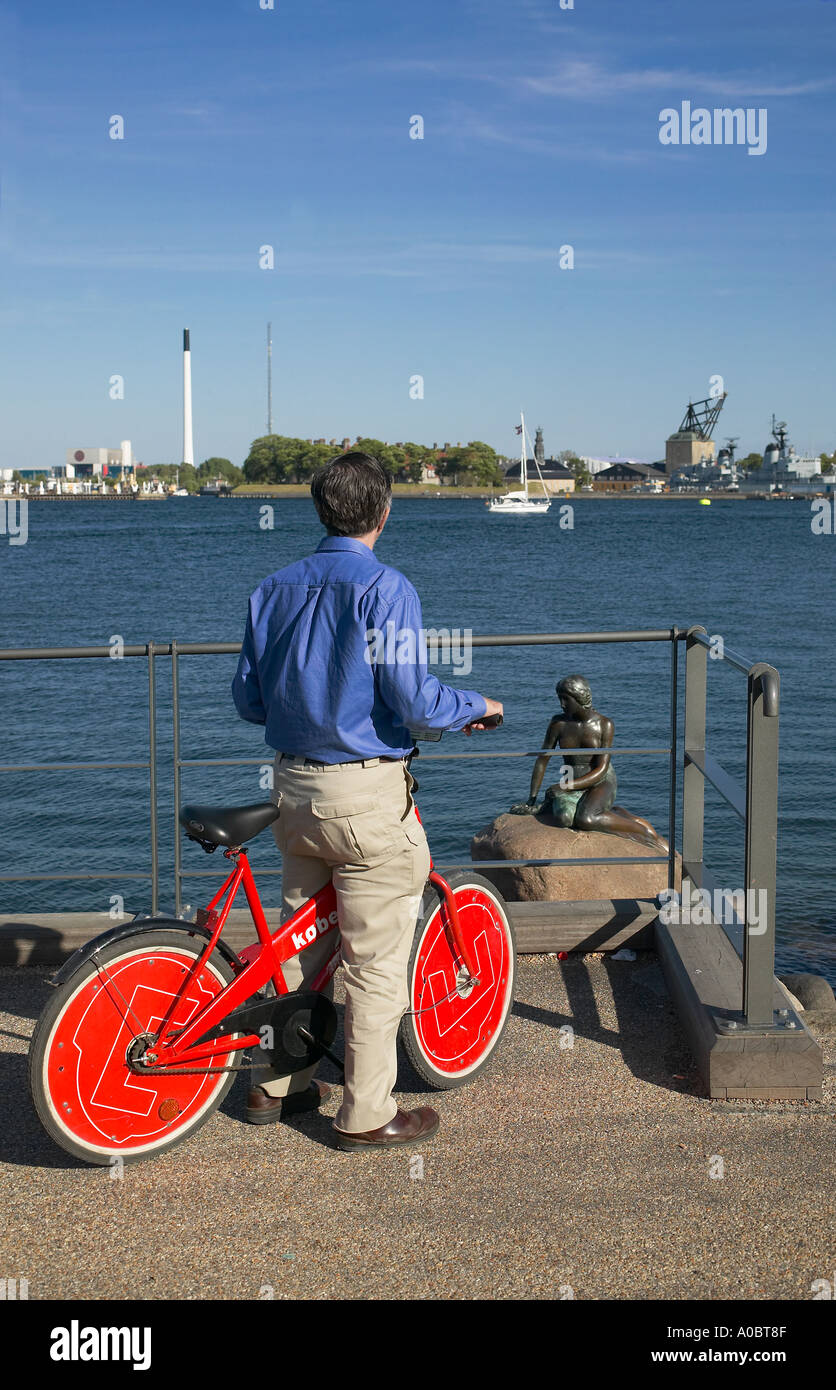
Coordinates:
(138, 1045)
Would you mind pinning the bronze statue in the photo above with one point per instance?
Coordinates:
(583, 799)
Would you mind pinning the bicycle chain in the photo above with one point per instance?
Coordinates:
(191, 1071)
(218, 1071)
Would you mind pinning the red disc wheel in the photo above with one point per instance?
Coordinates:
(86, 1095)
(453, 1027)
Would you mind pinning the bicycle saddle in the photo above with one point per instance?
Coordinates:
(230, 825)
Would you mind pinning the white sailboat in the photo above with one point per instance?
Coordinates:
(520, 503)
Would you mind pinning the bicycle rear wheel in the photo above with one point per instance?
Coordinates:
(87, 1098)
(453, 1027)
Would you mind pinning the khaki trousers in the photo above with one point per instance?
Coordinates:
(354, 823)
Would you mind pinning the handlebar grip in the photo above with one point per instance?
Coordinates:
(491, 721)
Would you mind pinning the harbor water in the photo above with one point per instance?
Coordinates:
(92, 573)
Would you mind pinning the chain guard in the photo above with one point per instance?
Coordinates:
(283, 1048)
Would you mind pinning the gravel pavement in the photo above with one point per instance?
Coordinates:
(579, 1170)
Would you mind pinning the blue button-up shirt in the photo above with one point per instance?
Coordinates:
(321, 684)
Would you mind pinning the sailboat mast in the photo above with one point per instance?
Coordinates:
(523, 452)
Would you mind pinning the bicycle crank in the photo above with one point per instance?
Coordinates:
(296, 1029)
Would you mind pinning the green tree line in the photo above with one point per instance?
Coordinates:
(192, 479)
(277, 458)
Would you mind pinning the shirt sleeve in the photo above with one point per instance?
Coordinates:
(246, 686)
(417, 698)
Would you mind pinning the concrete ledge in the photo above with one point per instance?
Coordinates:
(705, 977)
(605, 925)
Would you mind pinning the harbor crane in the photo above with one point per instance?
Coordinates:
(702, 416)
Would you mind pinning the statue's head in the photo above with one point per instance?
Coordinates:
(573, 693)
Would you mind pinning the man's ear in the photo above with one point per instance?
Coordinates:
(384, 519)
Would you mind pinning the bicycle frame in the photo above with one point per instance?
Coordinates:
(263, 962)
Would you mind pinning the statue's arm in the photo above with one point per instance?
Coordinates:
(539, 770)
(600, 763)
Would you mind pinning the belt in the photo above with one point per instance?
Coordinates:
(296, 760)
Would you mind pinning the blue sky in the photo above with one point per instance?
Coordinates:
(396, 257)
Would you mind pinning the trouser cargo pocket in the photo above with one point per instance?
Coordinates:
(356, 829)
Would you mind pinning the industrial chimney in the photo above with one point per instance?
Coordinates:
(188, 441)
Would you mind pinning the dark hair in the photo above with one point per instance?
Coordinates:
(351, 493)
(578, 688)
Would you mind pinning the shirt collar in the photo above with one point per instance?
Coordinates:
(343, 543)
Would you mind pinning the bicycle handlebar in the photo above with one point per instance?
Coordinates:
(492, 721)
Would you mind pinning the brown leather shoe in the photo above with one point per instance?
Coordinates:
(407, 1127)
(263, 1109)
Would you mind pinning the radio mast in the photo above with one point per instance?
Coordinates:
(269, 378)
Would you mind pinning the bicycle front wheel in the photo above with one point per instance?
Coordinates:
(453, 1027)
(88, 1098)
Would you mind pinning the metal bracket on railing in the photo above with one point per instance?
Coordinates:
(783, 1020)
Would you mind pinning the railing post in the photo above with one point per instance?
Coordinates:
(175, 716)
(673, 757)
(693, 784)
(152, 779)
(761, 844)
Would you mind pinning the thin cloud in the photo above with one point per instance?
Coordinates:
(590, 81)
(407, 261)
(583, 79)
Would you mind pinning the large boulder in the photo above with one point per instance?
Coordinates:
(812, 991)
(531, 837)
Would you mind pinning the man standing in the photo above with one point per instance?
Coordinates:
(339, 719)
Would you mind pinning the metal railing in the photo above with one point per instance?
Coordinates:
(149, 651)
(757, 804)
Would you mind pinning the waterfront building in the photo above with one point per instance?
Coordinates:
(622, 477)
(556, 477)
(597, 465)
(687, 449)
(33, 475)
(98, 461)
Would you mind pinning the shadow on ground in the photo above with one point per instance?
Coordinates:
(646, 1030)
(642, 1027)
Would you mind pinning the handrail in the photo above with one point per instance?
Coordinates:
(515, 639)
(447, 757)
(768, 676)
(756, 804)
